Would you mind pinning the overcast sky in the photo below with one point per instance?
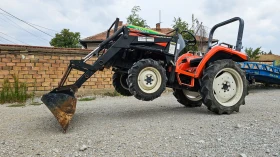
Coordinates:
(262, 18)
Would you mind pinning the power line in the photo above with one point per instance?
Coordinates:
(44, 27)
(24, 28)
(14, 38)
(35, 24)
(2, 41)
(26, 23)
(8, 40)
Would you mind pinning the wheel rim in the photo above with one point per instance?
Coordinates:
(123, 81)
(227, 87)
(193, 96)
(149, 80)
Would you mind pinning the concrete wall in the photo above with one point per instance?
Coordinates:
(92, 46)
(43, 67)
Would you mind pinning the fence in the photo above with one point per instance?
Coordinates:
(41, 68)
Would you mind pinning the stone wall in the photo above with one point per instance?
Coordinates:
(43, 67)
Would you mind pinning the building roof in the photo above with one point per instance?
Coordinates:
(268, 58)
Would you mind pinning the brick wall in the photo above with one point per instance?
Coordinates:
(43, 67)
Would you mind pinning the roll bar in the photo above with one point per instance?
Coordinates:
(239, 36)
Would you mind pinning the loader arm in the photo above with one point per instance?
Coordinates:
(61, 101)
(88, 69)
(97, 65)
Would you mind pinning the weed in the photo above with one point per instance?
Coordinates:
(33, 92)
(34, 103)
(16, 105)
(87, 99)
(112, 94)
(13, 92)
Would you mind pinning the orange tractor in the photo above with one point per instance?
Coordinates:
(145, 62)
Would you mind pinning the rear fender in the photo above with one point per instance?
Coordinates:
(218, 53)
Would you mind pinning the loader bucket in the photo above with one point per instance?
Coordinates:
(62, 106)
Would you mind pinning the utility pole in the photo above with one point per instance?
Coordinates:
(159, 16)
(192, 21)
(200, 31)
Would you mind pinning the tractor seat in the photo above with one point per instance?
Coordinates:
(195, 62)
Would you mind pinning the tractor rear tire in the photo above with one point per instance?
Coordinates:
(120, 84)
(146, 79)
(223, 87)
(185, 99)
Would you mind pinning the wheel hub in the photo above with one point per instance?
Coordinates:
(149, 80)
(224, 87)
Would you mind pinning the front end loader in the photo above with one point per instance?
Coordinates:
(145, 62)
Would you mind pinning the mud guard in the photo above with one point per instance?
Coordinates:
(219, 49)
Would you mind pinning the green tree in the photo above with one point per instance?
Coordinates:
(270, 53)
(183, 26)
(264, 53)
(66, 39)
(180, 24)
(253, 54)
(135, 19)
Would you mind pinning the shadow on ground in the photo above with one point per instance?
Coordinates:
(85, 116)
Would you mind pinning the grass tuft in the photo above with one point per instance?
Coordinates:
(13, 91)
(87, 99)
(36, 103)
(16, 105)
(112, 94)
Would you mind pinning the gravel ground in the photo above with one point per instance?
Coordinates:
(122, 126)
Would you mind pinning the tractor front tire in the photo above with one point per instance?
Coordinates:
(120, 84)
(223, 87)
(183, 97)
(146, 79)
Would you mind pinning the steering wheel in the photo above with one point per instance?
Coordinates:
(190, 42)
